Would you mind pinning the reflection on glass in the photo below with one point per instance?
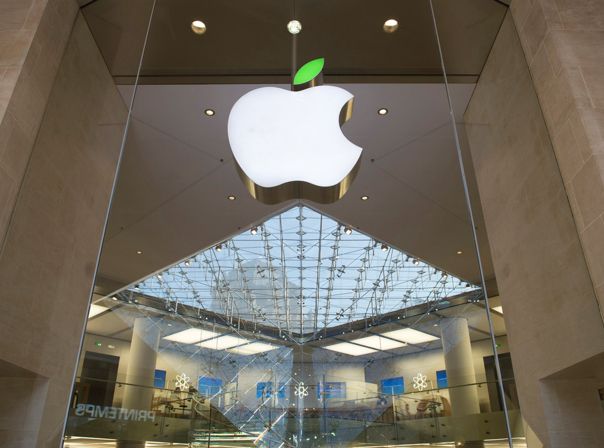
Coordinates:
(222, 348)
(301, 330)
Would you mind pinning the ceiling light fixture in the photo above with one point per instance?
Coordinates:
(350, 349)
(384, 247)
(415, 261)
(459, 252)
(218, 247)
(253, 348)
(231, 197)
(198, 27)
(364, 198)
(410, 336)
(294, 27)
(223, 342)
(139, 252)
(379, 343)
(348, 230)
(390, 25)
(209, 112)
(382, 111)
(191, 336)
(254, 230)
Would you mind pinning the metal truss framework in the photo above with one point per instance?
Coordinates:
(301, 272)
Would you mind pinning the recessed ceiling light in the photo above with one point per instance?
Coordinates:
(390, 25)
(350, 349)
(209, 112)
(294, 27)
(459, 252)
(223, 342)
(191, 336)
(253, 349)
(198, 27)
(139, 252)
(382, 111)
(379, 343)
(364, 197)
(96, 309)
(231, 197)
(410, 336)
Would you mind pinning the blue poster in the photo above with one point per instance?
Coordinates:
(159, 380)
(441, 379)
(265, 389)
(331, 390)
(392, 386)
(209, 386)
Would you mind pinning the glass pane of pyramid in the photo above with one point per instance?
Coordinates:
(300, 272)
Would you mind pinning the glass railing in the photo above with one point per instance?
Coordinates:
(122, 411)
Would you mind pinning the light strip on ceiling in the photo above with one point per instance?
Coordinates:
(350, 349)
(96, 309)
(223, 342)
(191, 336)
(410, 336)
(379, 343)
(253, 349)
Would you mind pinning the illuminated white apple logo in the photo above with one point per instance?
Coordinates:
(290, 144)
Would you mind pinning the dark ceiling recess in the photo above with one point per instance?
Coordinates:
(247, 40)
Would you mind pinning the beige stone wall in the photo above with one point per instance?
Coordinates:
(33, 34)
(551, 311)
(564, 45)
(53, 239)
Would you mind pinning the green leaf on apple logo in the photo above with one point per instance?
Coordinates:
(309, 71)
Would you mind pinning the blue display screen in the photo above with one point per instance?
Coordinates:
(441, 379)
(331, 390)
(392, 386)
(265, 390)
(209, 386)
(159, 380)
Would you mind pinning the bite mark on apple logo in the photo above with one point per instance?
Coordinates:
(290, 145)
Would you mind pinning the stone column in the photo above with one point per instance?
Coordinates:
(460, 366)
(537, 158)
(138, 394)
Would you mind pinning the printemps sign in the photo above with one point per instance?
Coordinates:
(113, 413)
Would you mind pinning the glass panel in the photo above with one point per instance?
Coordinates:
(366, 316)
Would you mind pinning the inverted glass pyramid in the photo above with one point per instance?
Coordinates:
(301, 272)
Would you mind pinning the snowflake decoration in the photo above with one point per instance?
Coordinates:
(182, 381)
(301, 390)
(420, 382)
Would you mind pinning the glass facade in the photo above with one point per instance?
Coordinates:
(220, 321)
